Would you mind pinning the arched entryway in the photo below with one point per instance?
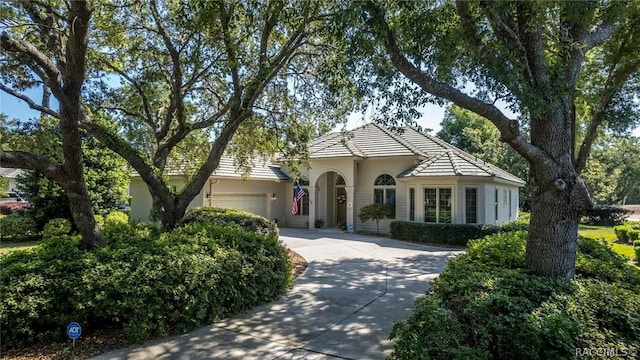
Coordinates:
(332, 200)
(332, 197)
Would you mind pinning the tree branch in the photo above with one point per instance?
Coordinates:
(42, 164)
(32, 104)
(176, 107)
(509, 129)
(148, 118)
(598, 35)
(54, 78)
(613, 84)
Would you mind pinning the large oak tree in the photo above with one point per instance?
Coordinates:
(44, 45)
(530, 55)
(186, 81)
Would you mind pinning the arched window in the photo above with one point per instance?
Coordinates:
(384, 192)
(340, 180)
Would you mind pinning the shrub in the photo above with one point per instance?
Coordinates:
(375, 212)
(605, 216)
(18, 228)
(56, 227)
(636, 248)
(486, 305)
(233, 218)
(518, 225)
(622, 232)
(633, 235)
(160, 284)
(445, 234)
(14, 207)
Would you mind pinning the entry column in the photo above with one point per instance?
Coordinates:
(313, 190)
(351, 209)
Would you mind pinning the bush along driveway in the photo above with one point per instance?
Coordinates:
(343, 306)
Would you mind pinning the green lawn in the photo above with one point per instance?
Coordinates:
(7, 247)
(606, 232)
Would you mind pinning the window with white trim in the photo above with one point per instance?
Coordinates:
(438, 205)
(384, 192)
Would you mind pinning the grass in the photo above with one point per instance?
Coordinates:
(607, 233)
(7, 247)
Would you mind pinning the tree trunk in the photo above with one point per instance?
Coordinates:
(553, 230)
(558, 197)
(80, 205)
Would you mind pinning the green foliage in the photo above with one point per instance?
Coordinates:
(56, 227)
(605, 215)
(450, 234)
(622, 232)
(18, 228)
(4, 186)
(232, 218)
(633, 235)
(375, 212)
(487, 305)
(147, 285)
(106, 176)
(636, 248)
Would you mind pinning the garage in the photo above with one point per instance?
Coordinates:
(253, 203)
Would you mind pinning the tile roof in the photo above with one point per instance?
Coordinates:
(260, 170)
(370, 140)
(439, 157)
(447, 160)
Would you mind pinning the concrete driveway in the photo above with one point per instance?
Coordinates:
(342, 307)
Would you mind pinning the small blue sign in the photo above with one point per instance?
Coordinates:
(74, 330)
(350, 228)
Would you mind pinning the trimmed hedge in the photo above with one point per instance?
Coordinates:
(636, 248)
(449, 234)
(148, 285)
(233, 218)
(16, 227)
(605, 216)
(487, 305)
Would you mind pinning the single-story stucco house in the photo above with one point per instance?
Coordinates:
(422, 178)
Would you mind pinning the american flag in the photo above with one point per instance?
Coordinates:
(299, 194)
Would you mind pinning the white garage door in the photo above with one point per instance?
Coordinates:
(253, 203)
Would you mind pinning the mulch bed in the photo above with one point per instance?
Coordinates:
(100, 341)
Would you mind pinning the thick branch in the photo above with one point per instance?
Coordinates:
(32, 104)
(42, 164)
(508, 128)
(54, 78)
(598, 35)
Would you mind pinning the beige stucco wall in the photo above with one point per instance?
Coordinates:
(141, 202)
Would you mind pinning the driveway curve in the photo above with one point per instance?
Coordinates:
(342, 307)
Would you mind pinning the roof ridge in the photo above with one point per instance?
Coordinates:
(401, 140)
(428, 162)
(454, 162)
